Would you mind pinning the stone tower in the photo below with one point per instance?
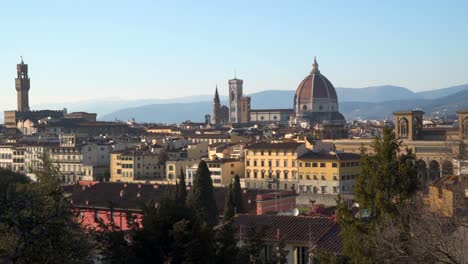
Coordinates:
(245, 110)
(22, 86)
(216, 108)
(235, 94)
(408, 124)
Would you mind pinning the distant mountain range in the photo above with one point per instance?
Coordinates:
(375, 102)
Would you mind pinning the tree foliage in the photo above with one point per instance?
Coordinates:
(181, 195)
(386, 182)
(36, 221)
(201, 198)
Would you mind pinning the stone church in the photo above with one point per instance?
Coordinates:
(315, 106)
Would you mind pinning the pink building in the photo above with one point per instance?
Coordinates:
(280, 201)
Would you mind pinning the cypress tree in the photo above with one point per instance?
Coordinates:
(201, 197)
(229, 210)
(181, 188)
(237, 196)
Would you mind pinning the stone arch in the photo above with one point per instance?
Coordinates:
(434, 170)
(447, 168)
(403, 127)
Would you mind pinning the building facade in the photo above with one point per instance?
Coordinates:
(272, 165)
(327, 173)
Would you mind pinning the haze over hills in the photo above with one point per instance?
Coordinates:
(375, 102)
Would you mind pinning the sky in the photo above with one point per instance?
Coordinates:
(81, 50)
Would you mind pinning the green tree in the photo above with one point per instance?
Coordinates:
(37, 224)
(237, 196)
(280, 254)
(181, 188)
(201, 198)
(225, 245)
(250, 250)
(387, 179)
(229, 207)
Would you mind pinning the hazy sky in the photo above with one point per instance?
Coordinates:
(157, 49)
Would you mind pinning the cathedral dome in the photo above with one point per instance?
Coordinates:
(315, 85)
(315, 93)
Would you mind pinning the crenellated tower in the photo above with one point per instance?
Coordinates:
(22, 86)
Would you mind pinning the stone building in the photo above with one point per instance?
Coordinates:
(23, 112)
(316, 105)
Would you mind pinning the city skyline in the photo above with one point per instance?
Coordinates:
(165, 51)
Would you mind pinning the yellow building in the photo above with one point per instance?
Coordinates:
(448, 195)
(222, 171)
(136, 165)
(327, 173)
(272, 165)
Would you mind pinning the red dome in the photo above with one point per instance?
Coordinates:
(315, 85)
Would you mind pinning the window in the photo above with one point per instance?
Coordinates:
(171, 167)
(307, 164)
(314, 165)
(277, 175)
(322, 176)
(248, 162)
(335, 189)
(263, 163)
(248, 174)
(315, 176)
(255, 162)
(324, 189)
(322, 165)
(285, 163)
(300, 176)
(334, 165)
(269, 163)
(343, 164)
(308, 176)
(300, 164)
(294, 163)
(255, 174)
(263, 175)
(277, 163)
(335, 178)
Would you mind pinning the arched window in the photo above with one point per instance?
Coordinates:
(403, 127)
(304, 107)
(465, 127)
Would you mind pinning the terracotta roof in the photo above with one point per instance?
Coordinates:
(315, 86)
(107, 194)
(266, 145)
(330, 156)
(321, 232)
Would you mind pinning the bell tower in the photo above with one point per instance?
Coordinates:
(235, 94)
(22, 86)
(408, 124)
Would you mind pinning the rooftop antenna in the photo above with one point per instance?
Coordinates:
(22, 60)
(235, 74)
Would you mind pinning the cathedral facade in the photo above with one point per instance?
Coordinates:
(315, 107)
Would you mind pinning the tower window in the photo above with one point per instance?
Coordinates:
(304, 107)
